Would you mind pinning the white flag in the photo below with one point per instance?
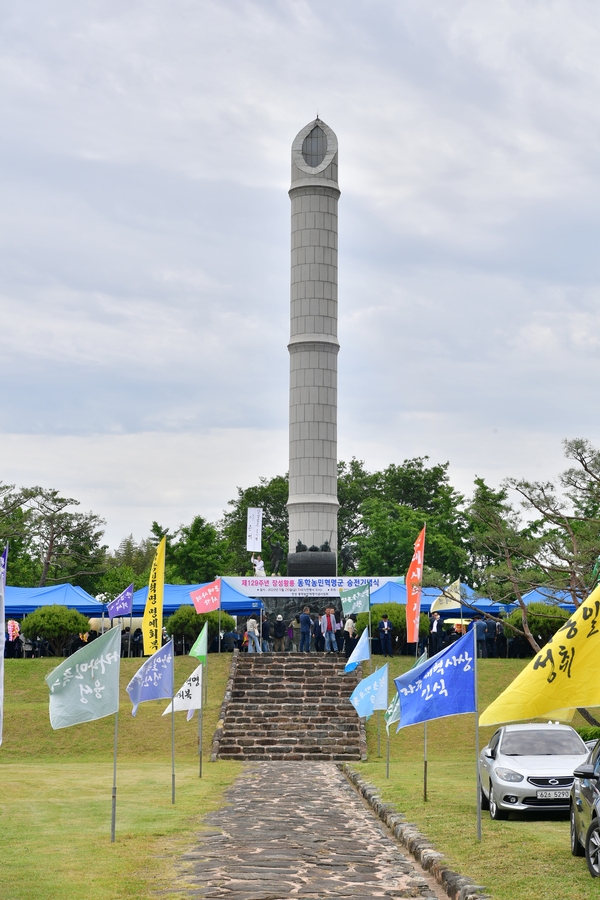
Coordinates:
(254, 529)
(189, 696)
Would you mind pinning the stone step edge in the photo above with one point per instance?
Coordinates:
(458, 887)
(218, 732)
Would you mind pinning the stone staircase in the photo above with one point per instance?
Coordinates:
(291, 706)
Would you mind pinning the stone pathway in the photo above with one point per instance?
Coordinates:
(300, 830)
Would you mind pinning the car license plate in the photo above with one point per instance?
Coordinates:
(553, 795)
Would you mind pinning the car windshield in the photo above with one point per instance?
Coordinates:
(542, 743)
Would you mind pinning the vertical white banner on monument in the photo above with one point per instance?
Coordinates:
(254, 529)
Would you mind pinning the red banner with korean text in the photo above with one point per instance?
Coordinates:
(414, 585)
(207, 598)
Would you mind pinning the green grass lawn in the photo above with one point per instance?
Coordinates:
(56, 791)
(525, 858)
(56, 797)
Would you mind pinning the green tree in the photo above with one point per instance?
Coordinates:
(67, 544)
(187, 623)
(355, 486)
(543, 620)
(24, 569)
(55, 624)
(396, 613)
(137, 556)
(555, 547)
(390, 530)
(381, 514)
(271, 495)
(116, 579)
(200, 554)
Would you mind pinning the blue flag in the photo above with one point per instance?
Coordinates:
(154, 679)
(121, 605)
(361, 652)
(441, 686)
(371, 693)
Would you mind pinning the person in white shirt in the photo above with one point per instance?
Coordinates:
(253, 633)
(259, 566)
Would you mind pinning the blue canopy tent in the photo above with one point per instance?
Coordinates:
(20, 601)
(391, 592)
(177, 595)
(396, 593)
(550, 597)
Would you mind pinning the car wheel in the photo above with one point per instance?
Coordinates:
(496, 813)
(576, 848)
(592, 848)
(485, 803)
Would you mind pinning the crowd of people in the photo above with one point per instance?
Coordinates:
(308, 632)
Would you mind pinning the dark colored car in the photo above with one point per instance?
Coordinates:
(585, 812)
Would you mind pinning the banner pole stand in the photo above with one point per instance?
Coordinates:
(200, 739)
(173, 727)
(477, 782)
(205, 678)
(113, 821)
(387, 756)
(425, 762)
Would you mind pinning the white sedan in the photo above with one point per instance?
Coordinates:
(529, 767)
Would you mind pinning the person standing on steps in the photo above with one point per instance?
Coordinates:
(349, 636)
(266, 635)
(279, 633)
(259, 566)
(328, 629)
(318, 635)
(253, 640)
(305, 626)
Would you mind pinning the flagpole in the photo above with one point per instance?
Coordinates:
(173, 724)
(113, 820)
(379, 732)
(387, 755)
(220, 628)
(200, 736)
(200, 714)
(205, 680)
(425, 762)
(130, 627)
(477, 784)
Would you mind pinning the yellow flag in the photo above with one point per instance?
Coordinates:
(450, 599)
(153, 613)
(564, 675)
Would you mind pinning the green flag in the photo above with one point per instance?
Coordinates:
(392, 713)
(356, 599)
(86, 685)
(200, 648)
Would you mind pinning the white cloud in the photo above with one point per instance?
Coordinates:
(144, 238)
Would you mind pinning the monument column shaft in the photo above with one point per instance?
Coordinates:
(313, 345)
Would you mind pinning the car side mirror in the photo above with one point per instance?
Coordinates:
(586, 771)
(490, 753)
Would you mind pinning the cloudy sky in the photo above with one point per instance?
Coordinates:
(144, 239)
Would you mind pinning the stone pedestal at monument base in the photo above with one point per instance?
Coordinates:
(312, 564)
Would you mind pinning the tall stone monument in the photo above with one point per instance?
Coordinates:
(313, 346)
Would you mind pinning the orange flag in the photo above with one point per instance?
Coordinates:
(414, 583)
